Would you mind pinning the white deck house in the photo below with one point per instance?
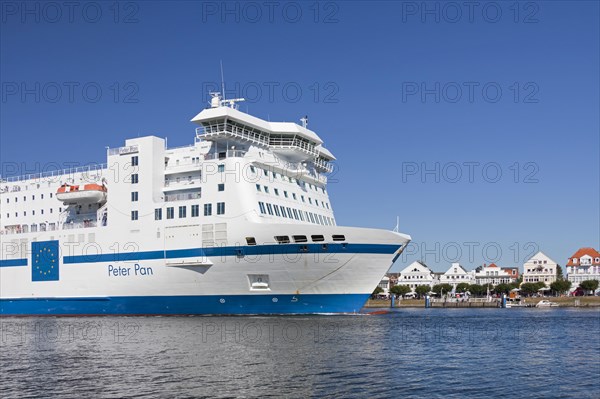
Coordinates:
(415, 274)
(457, 274)
(492, 274)
(540, 268)
(583, 265)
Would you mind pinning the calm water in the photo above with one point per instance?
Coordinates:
(451, 353)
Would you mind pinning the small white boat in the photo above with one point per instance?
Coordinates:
(544, 304)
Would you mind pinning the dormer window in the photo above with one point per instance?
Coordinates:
(574, 260)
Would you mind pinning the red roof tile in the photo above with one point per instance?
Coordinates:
(582, 252)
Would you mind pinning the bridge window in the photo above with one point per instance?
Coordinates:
(250, 240)
(261, 205)
(220, 208)
(158, 214)
(195, 211)
(338, 237)
(134, 161)
(317, 238)
(134, 196)
(182, 211)
(134, 215)
(170, 212)
(207, 209)
(135, 178)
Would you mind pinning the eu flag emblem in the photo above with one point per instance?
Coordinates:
(45, 261)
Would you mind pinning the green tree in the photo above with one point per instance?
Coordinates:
(422, 290)
(477, 290)
(400, 290)
(559, 273)
(377, 291)
(560, 286)
(531, 288)
(589, 285)
(441, 288)
(503, 288)
(462, 287)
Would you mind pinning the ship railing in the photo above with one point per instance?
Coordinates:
(54, 173)
(80, 225)
(324, 165)
(225, 154)
(228, 129)
(182, 197)
(182, 183)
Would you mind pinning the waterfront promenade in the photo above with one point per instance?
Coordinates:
(584, 301)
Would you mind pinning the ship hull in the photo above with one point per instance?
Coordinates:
(294, 279)
(185, 305)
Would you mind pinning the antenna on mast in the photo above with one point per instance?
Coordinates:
(397, 228)
(222, 81)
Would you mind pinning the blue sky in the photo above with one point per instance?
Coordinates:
(500, 103)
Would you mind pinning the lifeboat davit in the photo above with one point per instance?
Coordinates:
(86, 194)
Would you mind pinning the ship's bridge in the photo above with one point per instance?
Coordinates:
(288, 140)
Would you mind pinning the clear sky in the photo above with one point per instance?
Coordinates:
(477, 123)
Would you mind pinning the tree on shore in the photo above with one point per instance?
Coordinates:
(589, 285)
(560, 286)
(377, 291)
(400, 290)
(503, 288)
(531, 288)
(477, 289)
(441, 289)
(463, 287)
(422, 290)
(559, 273)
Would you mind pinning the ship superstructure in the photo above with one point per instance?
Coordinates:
(239, 222)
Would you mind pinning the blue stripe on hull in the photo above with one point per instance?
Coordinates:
(185, 305)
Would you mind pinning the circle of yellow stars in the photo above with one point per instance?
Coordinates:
(50, 255)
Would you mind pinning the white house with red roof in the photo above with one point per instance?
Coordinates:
(492, 274)
(540, 268)
(583, 265)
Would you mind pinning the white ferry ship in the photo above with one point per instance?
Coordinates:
(239, 222)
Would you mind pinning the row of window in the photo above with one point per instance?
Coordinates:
(302, 238)
(292, 213)
(265, 189)
(290, 179)
(25, 198)
(32, 212)
(183, 211)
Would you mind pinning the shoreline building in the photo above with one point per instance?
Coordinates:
(540, 268)
(457, 274)
(492, 274)
(415, 274)
(583, 265)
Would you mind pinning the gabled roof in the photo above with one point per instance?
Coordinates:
(416, 265)
(452, 266)
(582, 252)
(540, 255)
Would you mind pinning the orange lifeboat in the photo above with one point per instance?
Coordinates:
(86, 194)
